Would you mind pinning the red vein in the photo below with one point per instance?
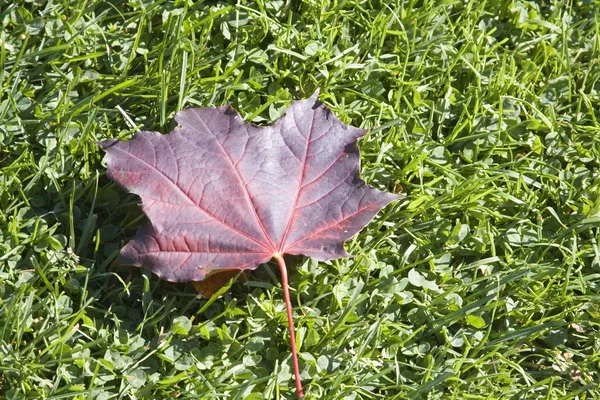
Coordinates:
(300, 186)
(342, 182)
(335, 224)
(204, 252)
(191, 200)
(322, 174)
(241, 181)
(183, 263)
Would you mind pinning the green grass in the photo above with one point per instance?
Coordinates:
(482, 283)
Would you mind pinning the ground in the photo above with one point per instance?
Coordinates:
(483, 282)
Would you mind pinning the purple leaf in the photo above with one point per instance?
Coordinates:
(222, 194)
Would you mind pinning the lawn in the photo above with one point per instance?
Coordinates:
(482, 282)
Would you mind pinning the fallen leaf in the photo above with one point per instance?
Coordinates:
(213, 282)
(223, 194)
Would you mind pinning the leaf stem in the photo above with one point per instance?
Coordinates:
(288, 305)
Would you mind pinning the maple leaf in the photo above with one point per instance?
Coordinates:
(225, 195)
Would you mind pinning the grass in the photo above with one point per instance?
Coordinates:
(482, 283)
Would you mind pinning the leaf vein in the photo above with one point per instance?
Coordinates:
(185, 195)
(241, 181)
